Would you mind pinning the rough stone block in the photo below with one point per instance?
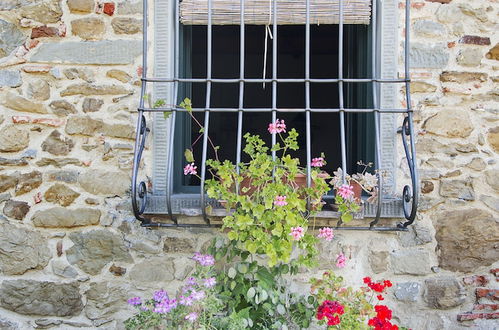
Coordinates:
(10, 78)
(96, 52)
(88, 28)
(462, 189)
(31, 297)
(434, 56)
(444, 292)
(16, 209)
(66, 218)
(62, 108)
(43, 11)
(21, 250)
(94, 249)
(408, 291)
(81, 6)
(100, 182)
(463, 243)
(463, 77)
(427, 28)
(61, 194)
(411, 261)
(19, 103)
(126, 25)
(11, 38)
(450, 123)
(469, 57)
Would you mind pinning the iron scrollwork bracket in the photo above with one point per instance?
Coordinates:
(410, 194)
(139, 190)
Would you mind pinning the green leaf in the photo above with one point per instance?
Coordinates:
(251, 293)
(167, 114)
(233, 285)
(263, 295)
(280, 309)
(232, 235)
(231, 273)
(242, 268)
(189, 156)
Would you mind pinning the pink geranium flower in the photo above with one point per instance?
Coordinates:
(280, 201)
(297, 233)
(317, 162)
(326, 233)
(346, 191)
(278, 127)
(341, 260)
(190, 169)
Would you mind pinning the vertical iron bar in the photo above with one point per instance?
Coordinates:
(274, 71)
(241, 91)
(171, 147)
(409, 130)
(377, 119)
(341, 100)
(340, 89)
(140, 120)
(207, 112)
(307, 96)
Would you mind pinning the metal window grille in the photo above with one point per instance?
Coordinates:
(409, 193)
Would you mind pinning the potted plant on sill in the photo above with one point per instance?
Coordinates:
(269, 212)
(348, 191)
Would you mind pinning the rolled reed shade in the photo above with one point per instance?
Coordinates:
(260, 12)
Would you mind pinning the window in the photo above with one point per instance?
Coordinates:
(181, 52)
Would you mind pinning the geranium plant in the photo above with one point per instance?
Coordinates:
(345, 198)
(268, 213)
(341, 307)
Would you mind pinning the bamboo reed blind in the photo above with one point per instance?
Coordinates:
(259, 12)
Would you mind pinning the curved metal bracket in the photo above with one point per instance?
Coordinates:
(410, 195)
(139, 190)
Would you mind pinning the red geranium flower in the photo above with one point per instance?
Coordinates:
(335, 320)
(383, 312)
(380, 297)
(367, 280)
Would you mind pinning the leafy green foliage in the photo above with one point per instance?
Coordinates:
(257, 291)
(256, 224)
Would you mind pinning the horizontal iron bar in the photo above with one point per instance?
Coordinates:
(323, 110)
(269, 80)
(204, 225)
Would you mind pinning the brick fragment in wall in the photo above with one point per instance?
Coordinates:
(491, 294)
(475, 40)
(44, 31)
(476, 280)
(108, 8)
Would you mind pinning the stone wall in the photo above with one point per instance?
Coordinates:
(71, 253)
